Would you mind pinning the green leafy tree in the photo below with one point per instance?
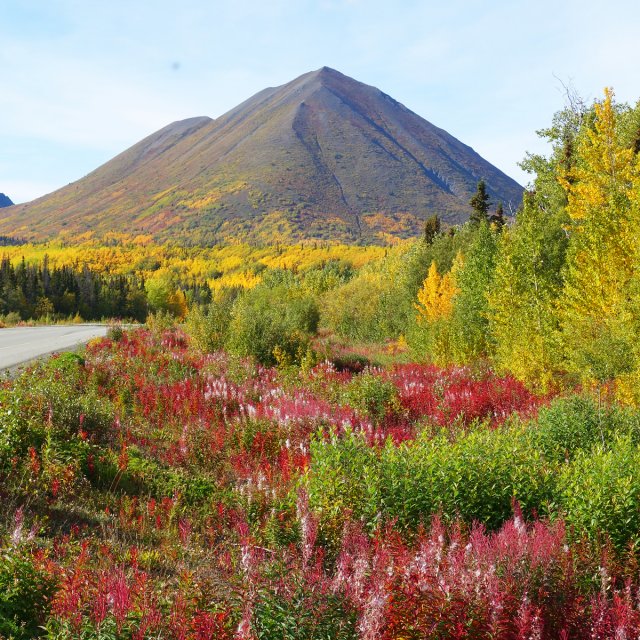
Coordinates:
(523, 317)
(469, 321)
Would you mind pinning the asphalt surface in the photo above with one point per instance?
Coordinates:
(19, 345)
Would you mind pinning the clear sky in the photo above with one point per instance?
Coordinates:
(81, 80)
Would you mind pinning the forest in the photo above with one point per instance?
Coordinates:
(434, 439)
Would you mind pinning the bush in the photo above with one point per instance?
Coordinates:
(570, 425)
(269, 321)
(365, 309)
(24, 594)
(477, 478)
(343, 482)
(372, 395)
(208, 326)
(601, 493)
(303, 615)
(115, 332)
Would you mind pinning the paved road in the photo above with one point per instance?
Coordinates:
(23, 344)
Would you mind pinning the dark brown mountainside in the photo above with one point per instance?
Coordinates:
(323, 156)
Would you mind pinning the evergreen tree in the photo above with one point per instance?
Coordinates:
(480, 204)
(431, 228)
(498, 218)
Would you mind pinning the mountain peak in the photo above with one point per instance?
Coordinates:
(323, 156)
(325, 75)
(328, 72)
(5, 201)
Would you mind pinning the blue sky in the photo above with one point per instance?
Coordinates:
(81, 80)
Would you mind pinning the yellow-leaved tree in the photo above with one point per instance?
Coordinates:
(432, 331)
(599, 322)
(435, 298)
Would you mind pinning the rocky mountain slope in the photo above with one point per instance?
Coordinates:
(323, 156)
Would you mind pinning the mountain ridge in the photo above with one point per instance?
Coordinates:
(322, 156)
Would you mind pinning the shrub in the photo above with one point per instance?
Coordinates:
(268, 319)
(351, 362)
(477, 478)
(303, 615)
(601, 493)
(208, 326)
(24, 594)
(570, 425)
(115, 332)
(365, 309)
(342, 482)
(372, 395)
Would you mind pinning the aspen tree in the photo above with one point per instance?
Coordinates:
(523, 317)
(597, 316)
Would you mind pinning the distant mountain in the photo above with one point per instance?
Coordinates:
(5, 201)
(323, 156)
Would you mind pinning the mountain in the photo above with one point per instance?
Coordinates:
(323, 156)
(5, 201)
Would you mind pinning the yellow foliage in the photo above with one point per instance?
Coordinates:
(600, 315)
(222, 265)
(178, 304)
(435, 298)
(599, 190)
(212, 195)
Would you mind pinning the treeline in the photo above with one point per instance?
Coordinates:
(552, 298)
(38, 292)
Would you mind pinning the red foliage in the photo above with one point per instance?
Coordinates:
(250, 438)
(447, 396)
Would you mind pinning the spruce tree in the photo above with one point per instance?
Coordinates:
(480, 204)
(431, 228)
(497, 218)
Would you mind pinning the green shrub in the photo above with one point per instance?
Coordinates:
(269, 321)
(342, 481)
(115, 332)
(570, 425)
(601, 493)
(366, 309)
(331, 275)
(24, 594)
(208, 326)
(303, 616)
(478, 478)
(372, 395)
